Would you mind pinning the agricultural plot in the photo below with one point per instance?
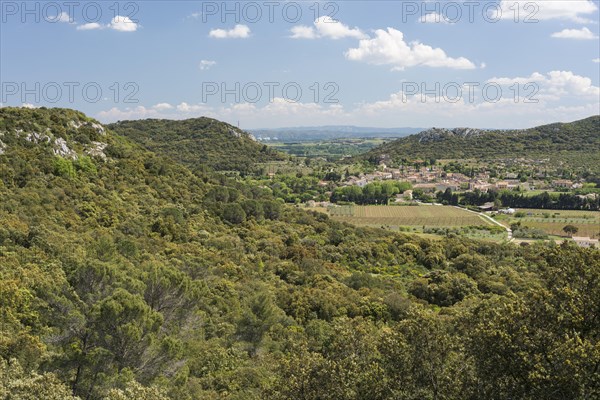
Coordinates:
(417, 216)
(553, 221)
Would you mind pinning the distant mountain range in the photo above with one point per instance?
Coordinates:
(582, 137)
(308, 133)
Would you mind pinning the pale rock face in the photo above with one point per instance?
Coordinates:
(99, 128)
(234, 133)
(61, 149)
(239, 134)
(97, 150)
(35, 137)
(2, 147)
(75, 124)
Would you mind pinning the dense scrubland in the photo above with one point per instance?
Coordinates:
(126, 274)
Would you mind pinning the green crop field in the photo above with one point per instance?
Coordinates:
(553, 221)
(418, 216)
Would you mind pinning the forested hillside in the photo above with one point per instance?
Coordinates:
(202, 143)
(579, 137)
(126, 275)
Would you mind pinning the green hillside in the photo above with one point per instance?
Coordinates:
(579, 138)
(199, 143)
(125, 275)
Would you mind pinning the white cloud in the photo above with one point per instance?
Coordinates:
(123, 24)
(578, 34)
(118, 23)
(237, 32)
(63, 17)
(433, 18)
(303, 32)
(206, 64)
(326, 27)
(89, 26)
(389, 48)
(572, 10)
(28, 105)
(555, 85)
(506, 113)
(333, 29)
(596, 60)
(162, 106)
(192, 108)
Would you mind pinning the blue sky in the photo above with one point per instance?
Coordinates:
(491, 64)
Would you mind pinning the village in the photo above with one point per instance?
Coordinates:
(433, 178)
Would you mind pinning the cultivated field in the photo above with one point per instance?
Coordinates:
(396, 216)
(553, 221)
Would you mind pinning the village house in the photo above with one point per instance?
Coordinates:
(562, 183)
(481, 186)
(502, 185)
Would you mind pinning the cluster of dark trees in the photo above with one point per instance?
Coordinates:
(371, 193)
(563, 201)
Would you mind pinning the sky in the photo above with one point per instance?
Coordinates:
(268, 64)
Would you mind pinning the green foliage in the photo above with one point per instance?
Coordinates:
(64, 168)
(16, 384)
(570, 143)
(570, 229)
(144, 280)
(200, 143)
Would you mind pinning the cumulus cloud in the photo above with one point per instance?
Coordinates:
(578, 34)
(123, 24)
(572, 10)
(433, 18)
(555, 84)
(90, 26)
(162, 106)
(237, 32)
(206, 64)
(326, 27)
(62, 17)
(596, 60)
(389, 48)
(561, 96)
(303, 32)
(118, 23)
(505, 113)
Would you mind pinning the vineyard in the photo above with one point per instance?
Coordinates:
(419, 216)
(553, 221)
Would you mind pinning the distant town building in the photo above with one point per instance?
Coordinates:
(563, 183)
